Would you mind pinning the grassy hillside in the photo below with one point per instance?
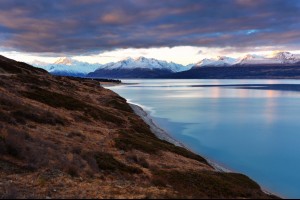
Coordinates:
(71, 138)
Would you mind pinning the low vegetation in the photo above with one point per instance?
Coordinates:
(58, 100)
(107, 162)
(119, 104)
(148, 143)
(208, 184)
(17, 112)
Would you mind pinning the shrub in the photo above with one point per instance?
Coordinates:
(72, 171)
(107, 162)
(6, 118)
(120, 104)
(2, 147)
(9, 68)
(11, 192)
(100, 114)
(80, 118)
(148, 143)
(7, 102)
(76, 150)
(90, 159)
(2, 138)
(15, 142)
(138, 160)
(76, 134)
(208, 184)
(58, 100)
(21, 113)
(54, 99)
(33, 80)
(143, 162)
(14, 146)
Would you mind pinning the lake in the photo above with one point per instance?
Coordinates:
(247, 126)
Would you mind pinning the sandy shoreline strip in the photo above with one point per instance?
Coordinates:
(163, 135)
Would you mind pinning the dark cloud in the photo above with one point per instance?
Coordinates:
(81, 26)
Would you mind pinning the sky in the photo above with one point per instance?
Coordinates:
(185, 31)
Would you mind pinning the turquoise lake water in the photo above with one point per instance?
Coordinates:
(247, 126)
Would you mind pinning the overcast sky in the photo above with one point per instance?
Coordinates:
(182, 31)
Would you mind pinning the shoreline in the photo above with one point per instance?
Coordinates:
(163, 135)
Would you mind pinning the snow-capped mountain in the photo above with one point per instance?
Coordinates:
(67, 67)
(39, 63)
(251, 59)
(138, 68)
(278, 65)
(145, 63)
(285, 57)
(220, 61)
(64, 61)
(277, 58)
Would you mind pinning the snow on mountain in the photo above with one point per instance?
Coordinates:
(285, 57)
(67, 66)
(220, 61)
(145, 63)
(273, 59)
(64, 61)
(39, 63)
(251, 59)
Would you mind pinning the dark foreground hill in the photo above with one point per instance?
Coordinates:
(71, 138)
(240, 72)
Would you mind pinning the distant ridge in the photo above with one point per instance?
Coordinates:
(151, 68)
(291, 71)
(137, 68)
(276, 58)
(66, 66)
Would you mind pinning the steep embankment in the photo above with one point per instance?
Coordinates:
(71, 138)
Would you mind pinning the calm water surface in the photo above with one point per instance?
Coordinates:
(252, 128)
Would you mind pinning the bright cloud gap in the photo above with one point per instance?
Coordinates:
(182, 54)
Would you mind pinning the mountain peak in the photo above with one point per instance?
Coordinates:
(38, 63)
(64, 61)
(249, 57)
(141, 58)
(222, 57)
(285, 57)
(282, 55)
(144, 63)
(219, 61)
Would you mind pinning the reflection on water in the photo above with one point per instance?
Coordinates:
(250, 126)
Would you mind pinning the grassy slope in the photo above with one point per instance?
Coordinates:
(71, 138)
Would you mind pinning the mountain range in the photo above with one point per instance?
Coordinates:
(137, 68)
(67, 67)
(151, 68)
(276, 58)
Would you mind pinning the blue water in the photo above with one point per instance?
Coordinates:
(251, 131)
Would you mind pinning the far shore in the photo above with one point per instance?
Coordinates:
(109, 84)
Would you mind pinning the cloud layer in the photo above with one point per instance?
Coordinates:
(87, 26)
